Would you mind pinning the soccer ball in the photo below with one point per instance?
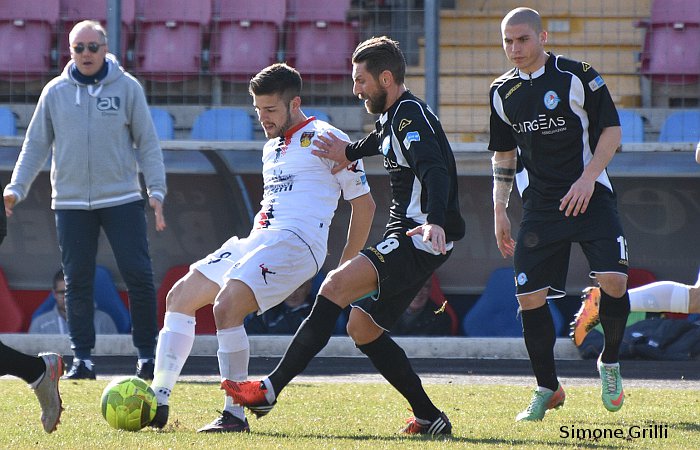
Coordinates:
(128, 403)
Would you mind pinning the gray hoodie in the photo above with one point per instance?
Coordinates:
(101, 135)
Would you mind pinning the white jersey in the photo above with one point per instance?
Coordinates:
(300, 193)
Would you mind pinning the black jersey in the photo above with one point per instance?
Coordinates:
(421, 166)
(554, 117)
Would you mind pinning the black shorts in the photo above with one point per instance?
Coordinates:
(403, 266)
(544, 246)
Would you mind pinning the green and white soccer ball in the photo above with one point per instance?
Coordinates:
(128, 403)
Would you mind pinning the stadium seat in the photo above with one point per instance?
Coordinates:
(163, 121)
(169, 39)
(681, 126)
(8, 126)
(106, 298)
(74, 11)
(320, 39)
(27, 34)
(245, 37)
(319, 114)
(224, 124)
(639, 277)
(632, 126)
(11, 319)
(670, 52)
(495, 313)
(204, 318)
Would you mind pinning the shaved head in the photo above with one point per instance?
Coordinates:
(520, 16)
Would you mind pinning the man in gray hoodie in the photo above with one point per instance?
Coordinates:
(95, 118)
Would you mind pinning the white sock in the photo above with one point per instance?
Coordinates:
(270, 395)
(662, 296)
(544, 389)
(174, 345)
(233, 355)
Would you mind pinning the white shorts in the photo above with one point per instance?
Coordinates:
(273, 263)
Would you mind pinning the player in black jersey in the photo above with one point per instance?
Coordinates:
(554, 128)
(424, 220)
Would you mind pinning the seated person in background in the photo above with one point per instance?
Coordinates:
(424, 316)
(284, 318)
(54, 321)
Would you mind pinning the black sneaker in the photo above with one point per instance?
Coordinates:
(227, 423)
(145, 370)
(161, 417)
(79, 371)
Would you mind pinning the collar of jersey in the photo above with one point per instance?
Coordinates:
(385, 115)
(288, 135)
(537, 73)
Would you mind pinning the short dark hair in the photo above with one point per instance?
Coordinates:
(277, 79)
(58, 276)
(380, 54)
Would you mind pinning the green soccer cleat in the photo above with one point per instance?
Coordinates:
(540, 403)
(611, 392)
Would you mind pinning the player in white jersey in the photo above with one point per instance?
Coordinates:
(286, 246)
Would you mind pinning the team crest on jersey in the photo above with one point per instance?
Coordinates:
(404, 123)
(522, 278)
(305, 139)
(596, 83)
(386, 144)
(551, 99)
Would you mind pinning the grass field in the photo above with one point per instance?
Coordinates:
(363, 416)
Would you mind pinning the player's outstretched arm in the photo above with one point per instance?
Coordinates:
(360, 223)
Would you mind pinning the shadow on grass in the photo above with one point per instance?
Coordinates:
(446, 439)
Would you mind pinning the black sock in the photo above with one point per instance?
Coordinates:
(538, 331)
(613, 314)
(27, 367)
(391, 361)
(313, 334)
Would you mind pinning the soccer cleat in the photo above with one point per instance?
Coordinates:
(79, 371)
(227, 423)
(540, 403)
(441, 425)
(144, 370)
(250, 394)
(47, 392)
(161, 417)
(611, 391)
(587, 316)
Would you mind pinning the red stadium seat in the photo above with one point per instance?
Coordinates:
(671, 54)
(205, 316)
(74, 11)
(320, 39)
(246, 37)
(27, 34)
(169, 38)
(12, 318)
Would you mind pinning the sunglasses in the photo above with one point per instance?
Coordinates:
(94, 47)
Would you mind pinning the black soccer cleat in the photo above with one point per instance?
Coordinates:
(227, 423)
(161, 417)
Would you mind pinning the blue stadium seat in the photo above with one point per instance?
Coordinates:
(8, 126)
(681, 126)
(319, 114)
(163, 121)
(495, 313)
(106, 297)
(224, 124)
(632, 126)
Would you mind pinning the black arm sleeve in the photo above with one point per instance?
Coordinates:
(367, 146)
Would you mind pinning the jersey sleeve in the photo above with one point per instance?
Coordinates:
(420, 147)
(599, 103)
(367, 146)
(500, 133)
(353, 180)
